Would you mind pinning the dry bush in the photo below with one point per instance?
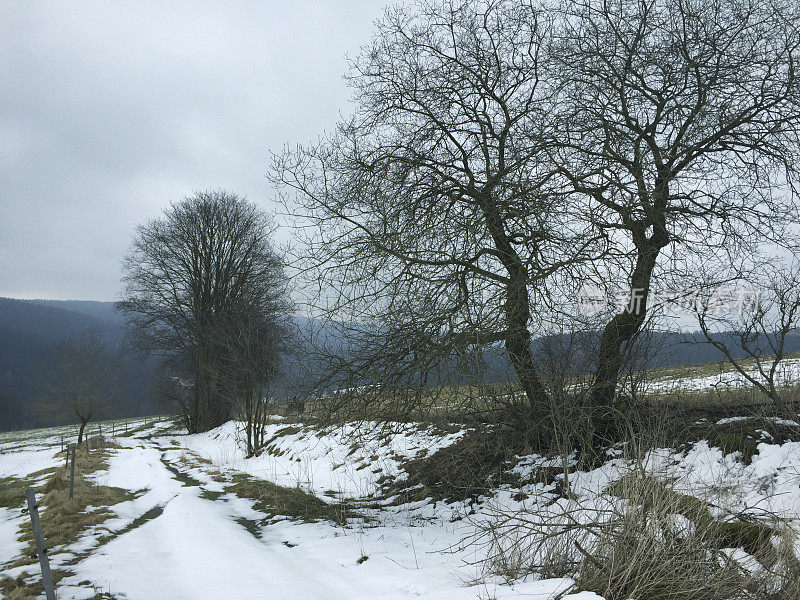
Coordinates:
(467, 469)
(650, 549)
(642, 539)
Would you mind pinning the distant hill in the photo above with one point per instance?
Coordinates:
(48, 322)
(103, 311)
(28, 331)
(30, 328)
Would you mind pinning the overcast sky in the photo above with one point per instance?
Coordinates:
(110, 110)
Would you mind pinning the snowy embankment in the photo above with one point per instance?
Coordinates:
(335, 462)
(184, 533)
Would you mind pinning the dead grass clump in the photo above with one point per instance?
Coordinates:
(659, 545)
(12, 491)
(64, 520)
(647, 559)
(666, 544)
(467, 469)
(276, 500)
(743, 435)
(17, 589)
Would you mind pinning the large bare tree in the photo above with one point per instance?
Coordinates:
(431, 219)
(189, 275)
(679, 124)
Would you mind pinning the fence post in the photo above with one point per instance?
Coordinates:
(41, 548)
(72, 474)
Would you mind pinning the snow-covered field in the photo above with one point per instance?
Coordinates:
(787, 373)
(185, 535)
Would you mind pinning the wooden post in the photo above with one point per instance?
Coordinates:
(87, 445)
(41, 548)
(72, 474)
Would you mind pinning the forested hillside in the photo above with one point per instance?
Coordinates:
(30, 328)
(28, 332)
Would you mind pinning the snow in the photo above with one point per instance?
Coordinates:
(192, 546)
(173, 540)
(788, 373)
(10, 546)
(177, 550)
(324, 462)
(21, 464)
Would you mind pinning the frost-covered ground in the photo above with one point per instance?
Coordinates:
(344, 461)
(185, 535)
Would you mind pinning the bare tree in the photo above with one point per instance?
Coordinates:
(252, 343)
(81, 378)
(431, 219)
(751, 323)
(500, 152)
(188, 275)
(679, 122)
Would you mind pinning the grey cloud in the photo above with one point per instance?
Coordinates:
(108, 111)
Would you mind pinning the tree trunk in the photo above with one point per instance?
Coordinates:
(80, 431)
(194, 413)
(517, 310)
(627, 323)
(250, 419)
(203, 389)
(518, 345)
